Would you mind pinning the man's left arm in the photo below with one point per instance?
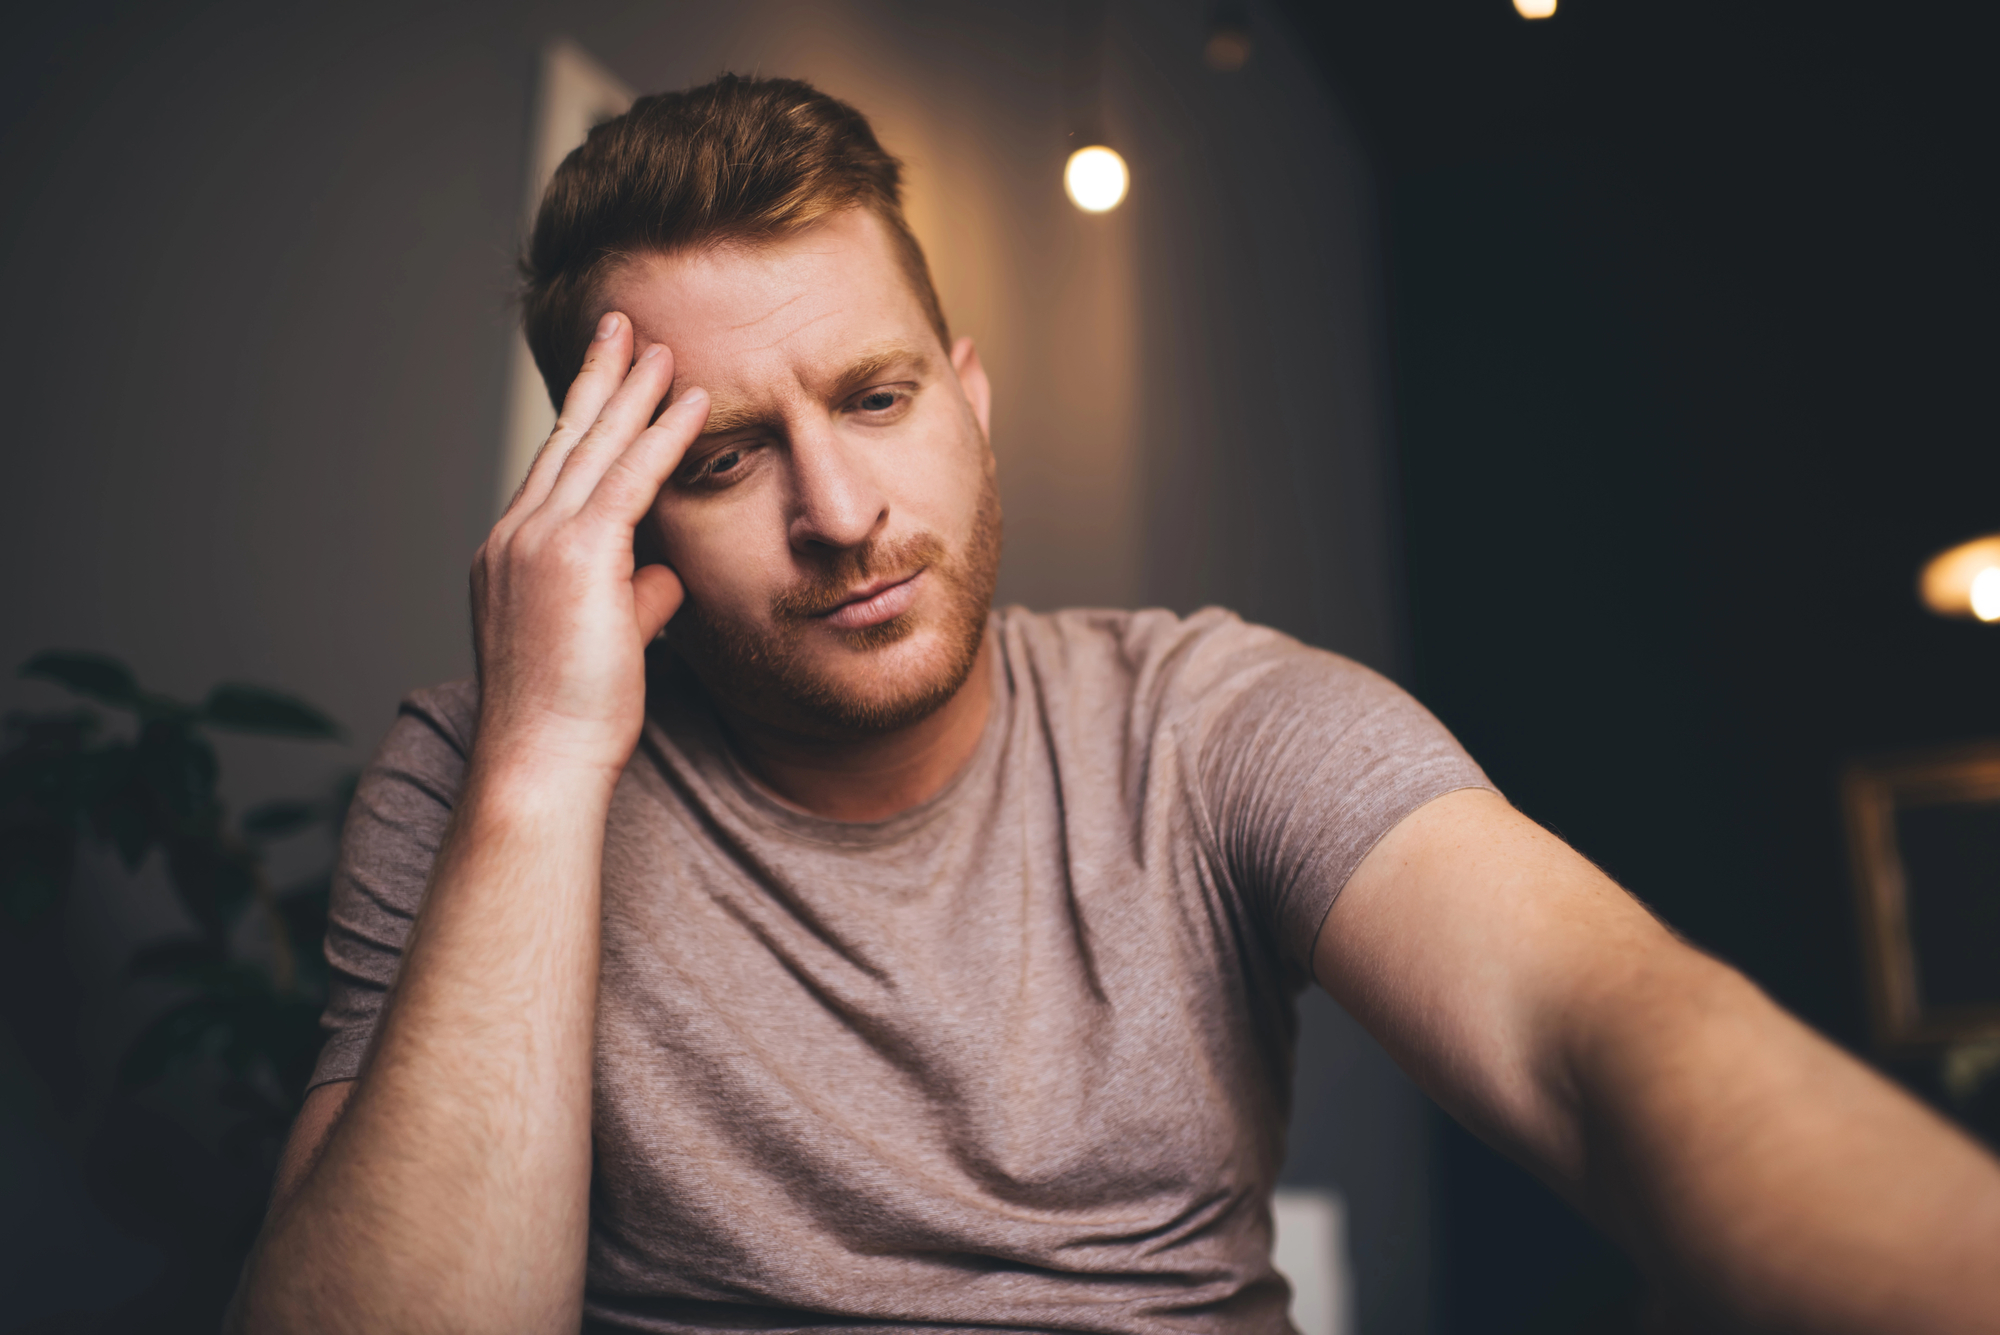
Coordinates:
(1762, 1177)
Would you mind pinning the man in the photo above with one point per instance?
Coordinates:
(854, 956)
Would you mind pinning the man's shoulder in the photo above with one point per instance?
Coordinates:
(1198, 661)
(434, 717)
(1153, 639)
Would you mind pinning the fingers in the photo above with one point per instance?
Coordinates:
(630, 482)
(605, 364)
(656, 596)
(623, 417)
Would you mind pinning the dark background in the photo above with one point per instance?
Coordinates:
(1693, 325)
(1687, 310)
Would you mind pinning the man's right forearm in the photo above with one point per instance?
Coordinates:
(454, 1192)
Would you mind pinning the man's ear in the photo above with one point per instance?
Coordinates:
(972, 379)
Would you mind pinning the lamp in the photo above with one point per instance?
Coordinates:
(1095, 179)
(1964, 581)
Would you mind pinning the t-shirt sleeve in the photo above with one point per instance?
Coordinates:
(394, 829)
(1304, 760)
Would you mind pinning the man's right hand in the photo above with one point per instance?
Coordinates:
(561, 613)
(448, 1185)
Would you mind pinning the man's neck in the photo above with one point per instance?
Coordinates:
(873, 778)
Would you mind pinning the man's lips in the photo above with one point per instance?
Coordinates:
(873, 604)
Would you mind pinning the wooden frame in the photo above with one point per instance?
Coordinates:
(1874, 792)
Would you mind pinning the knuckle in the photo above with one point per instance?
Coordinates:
(583, 442)
(530, 536)
(571, 547)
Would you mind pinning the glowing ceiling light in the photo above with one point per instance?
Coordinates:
(1095, 179)
(1534, 9)
(1986, 594)
(1965, 580)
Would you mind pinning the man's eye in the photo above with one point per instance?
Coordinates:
(878, 401)
(718, 464)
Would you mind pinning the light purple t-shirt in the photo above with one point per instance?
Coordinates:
(1019, 1058)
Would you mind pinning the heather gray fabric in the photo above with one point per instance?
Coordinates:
(1019, 1058)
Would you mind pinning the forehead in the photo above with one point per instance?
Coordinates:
(738, 315)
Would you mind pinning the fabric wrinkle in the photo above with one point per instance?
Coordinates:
(1019, 1058)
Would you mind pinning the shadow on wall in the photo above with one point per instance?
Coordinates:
(259, 262)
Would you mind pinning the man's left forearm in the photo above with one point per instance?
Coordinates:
(1767, 1178)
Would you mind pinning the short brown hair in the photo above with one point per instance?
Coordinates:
(733, 160)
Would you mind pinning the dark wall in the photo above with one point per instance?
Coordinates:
(1694, 349)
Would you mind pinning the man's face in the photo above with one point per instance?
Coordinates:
(836, 526)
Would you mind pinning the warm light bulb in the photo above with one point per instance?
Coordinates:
(1965, 580)
(1986, 594)
(1534, 9)
(1095, 179)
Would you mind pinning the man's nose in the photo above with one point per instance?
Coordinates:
(836, 501)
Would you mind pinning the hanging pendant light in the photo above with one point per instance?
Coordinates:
(1094, 176)
(1095, 179)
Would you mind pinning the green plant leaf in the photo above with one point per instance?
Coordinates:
(192, 870)
(99, 774)
(276, 820)
(109, 786)
(124, 823)
(96, 675)
(37, 741)
(254, 709)
(179, 769)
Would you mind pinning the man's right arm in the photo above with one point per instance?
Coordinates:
(1763, 1179)
(447, 1186)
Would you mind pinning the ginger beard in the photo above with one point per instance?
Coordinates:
(772, 674)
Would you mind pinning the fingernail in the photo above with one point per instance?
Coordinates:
(653, 352)
(607, 326)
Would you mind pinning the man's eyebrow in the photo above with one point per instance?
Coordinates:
(876, 358)
(726, 415)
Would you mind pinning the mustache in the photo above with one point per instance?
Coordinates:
(834, 582)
